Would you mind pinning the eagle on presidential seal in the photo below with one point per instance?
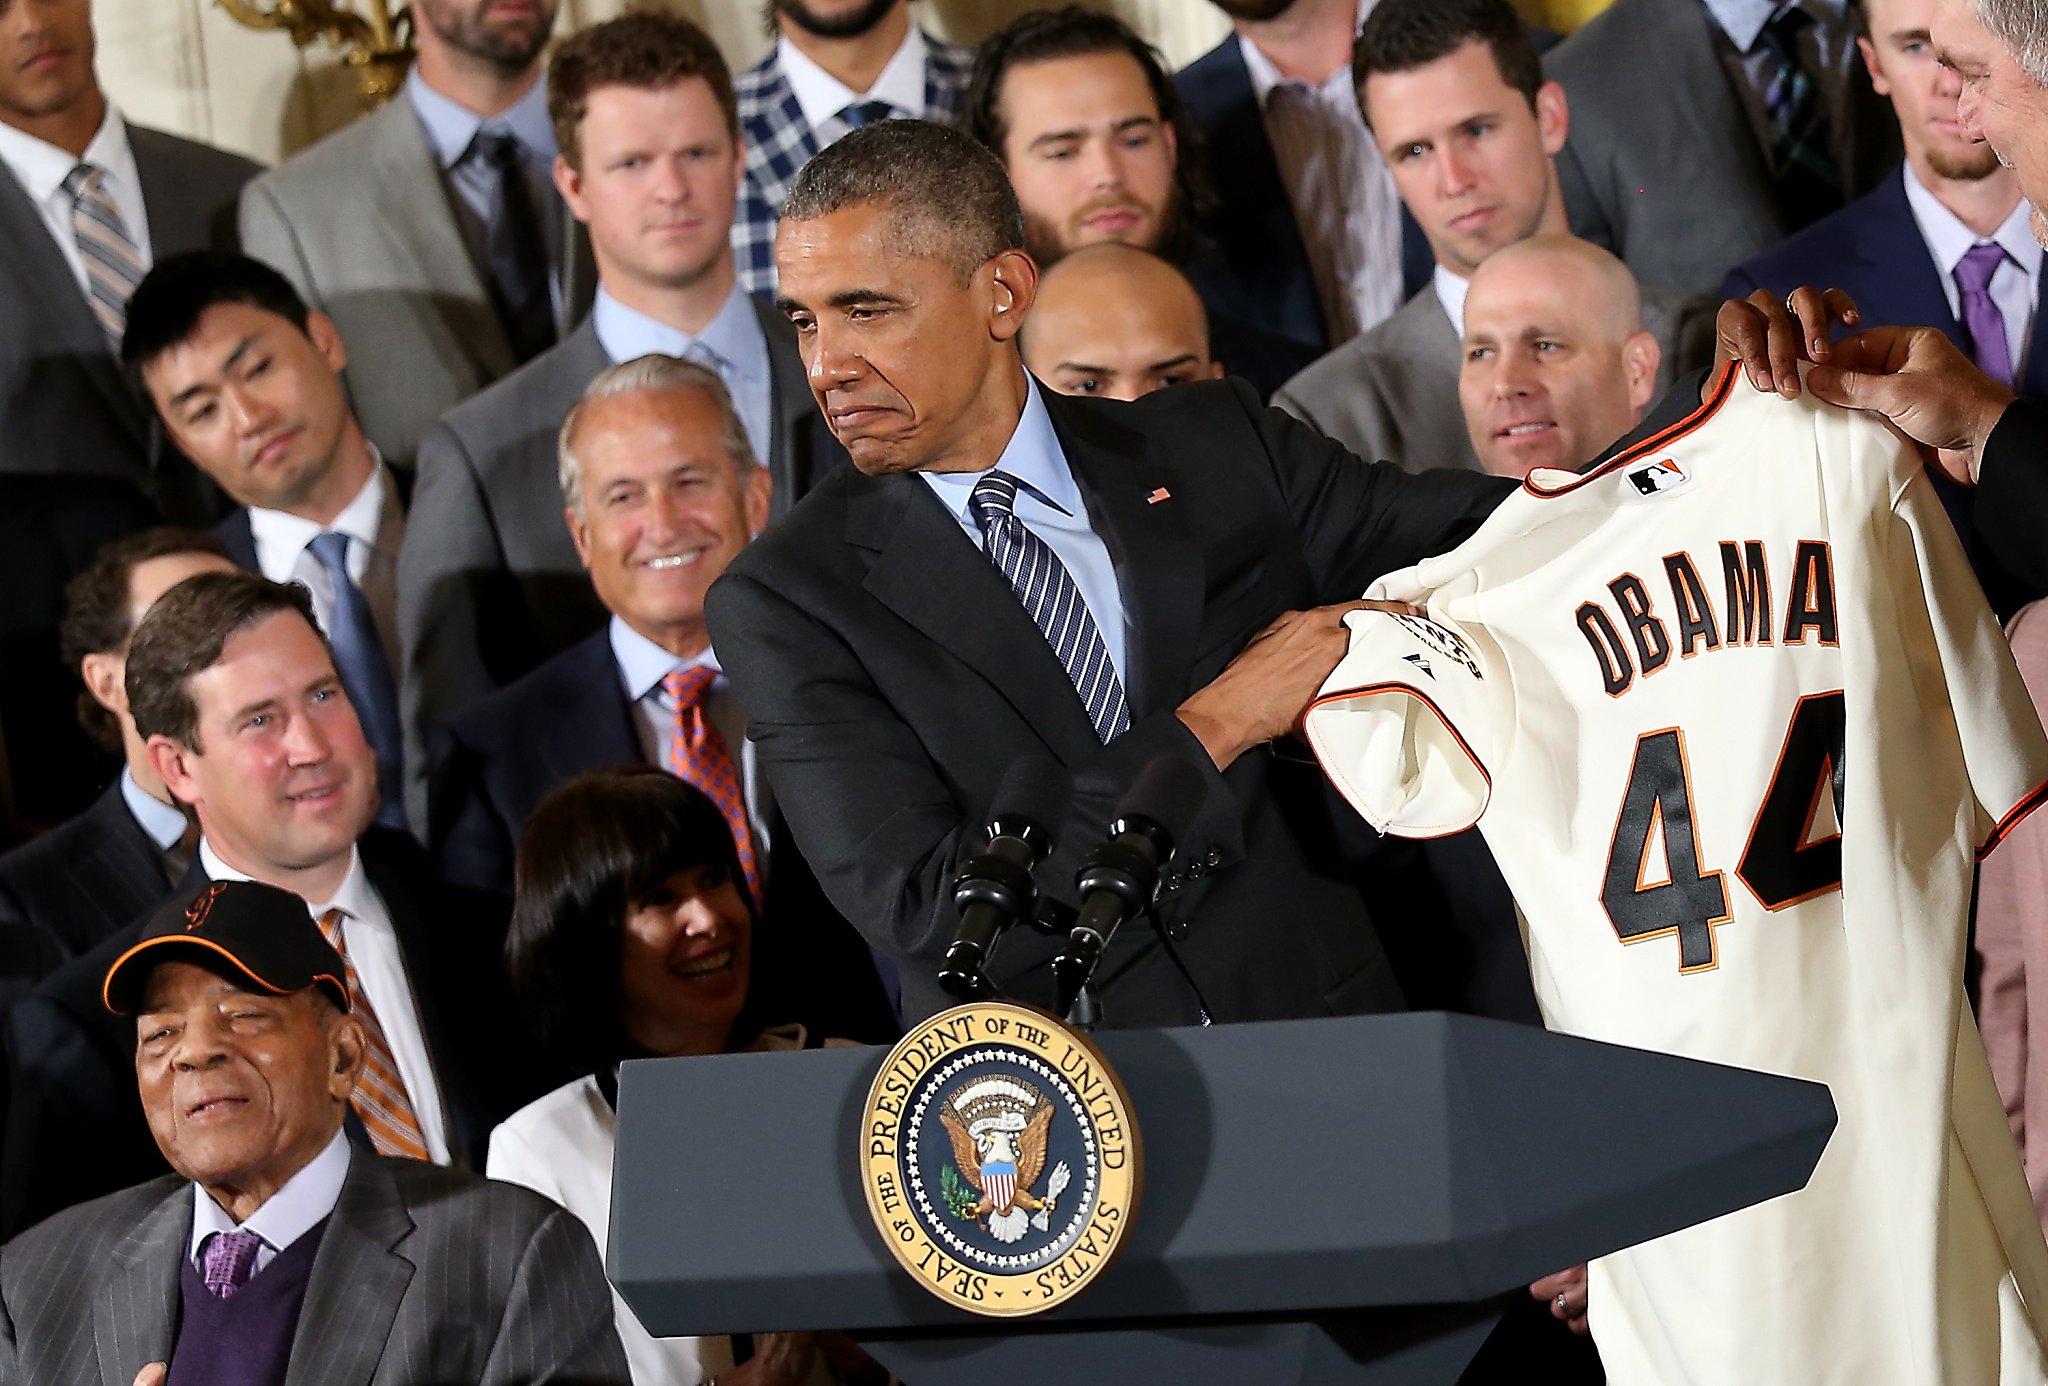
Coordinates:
(999, 1126)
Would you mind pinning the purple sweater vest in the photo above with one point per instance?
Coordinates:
(245, 1339)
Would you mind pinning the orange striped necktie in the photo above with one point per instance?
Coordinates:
(697, 755)
(379, 1099)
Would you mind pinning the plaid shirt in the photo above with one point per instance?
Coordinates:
(779, 143)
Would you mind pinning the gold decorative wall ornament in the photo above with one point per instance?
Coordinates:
(377, 44)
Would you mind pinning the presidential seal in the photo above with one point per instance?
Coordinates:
(999, 1159)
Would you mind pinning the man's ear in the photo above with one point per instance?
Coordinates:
(579, 534)
(569, 183)
(1640, 357)
(1014, 290)
(1877, 78)
(348, 1046)
(327, 339)
(760, 497)
(171, 761)
(104, 676)
(1553, 117)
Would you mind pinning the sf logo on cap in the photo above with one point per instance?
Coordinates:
(196, 912)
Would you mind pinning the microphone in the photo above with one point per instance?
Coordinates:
(1120, 877)
(994, 890)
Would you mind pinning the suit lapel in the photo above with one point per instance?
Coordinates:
(413, 209)
(931, 574)
(1703, 98)
(1159, 572)
(357, 1284)
(596, 725)
(1903, 282)
(135, 1313)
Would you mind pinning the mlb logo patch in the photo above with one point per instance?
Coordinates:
(1657, 477)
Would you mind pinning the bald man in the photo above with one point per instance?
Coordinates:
(1556, 364)
(1117, 322)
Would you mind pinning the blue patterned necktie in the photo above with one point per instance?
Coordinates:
(863, 112)
(365, 673)
(1051, 599)
(1802, 141)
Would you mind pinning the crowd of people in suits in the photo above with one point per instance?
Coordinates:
(557, 572)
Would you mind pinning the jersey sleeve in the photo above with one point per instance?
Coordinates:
(1409, 722)
(2004, 751)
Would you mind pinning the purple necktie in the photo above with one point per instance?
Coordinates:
(229, 1259)
(1981, 318)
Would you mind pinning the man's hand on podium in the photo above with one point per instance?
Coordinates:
(1566, 1294)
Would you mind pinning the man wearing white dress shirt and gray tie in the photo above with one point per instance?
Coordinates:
(247, 381)
(651, 163)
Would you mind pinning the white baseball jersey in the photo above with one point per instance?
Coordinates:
(1734, 718)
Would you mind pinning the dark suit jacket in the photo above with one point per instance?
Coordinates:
(64, 405)
(85, 880)
(75, 1129)
(891, 677)
(2011, 512)
(496, 760)
(423, 1276)
(1663, 166)
(1257, 268)
(1872, 249)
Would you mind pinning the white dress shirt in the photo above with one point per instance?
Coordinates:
(372, 946)
(41, 168)
(1450, 292)
(163, 824)
(2015, 287)
(1050, 505)
(287, 1215)
(282, 539)
(733, 344)
(642, 666)
(821, 96)
(1342, 190)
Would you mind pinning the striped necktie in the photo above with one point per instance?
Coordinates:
(697, 755)
(380, 1098)
(113, 264)
(1051, 599)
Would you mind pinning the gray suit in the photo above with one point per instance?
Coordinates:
(1663, 165)
(489, 585)
(1392, 393)
(424, 1277)
(64, 406)
(362, 226)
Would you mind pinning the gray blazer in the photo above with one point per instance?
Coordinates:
(64, 406)
(489, 585)
(424, 1276)
(361, 224)
(1391, 394)
(1662, 165)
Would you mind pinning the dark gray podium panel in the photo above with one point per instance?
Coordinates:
(1289, 1168)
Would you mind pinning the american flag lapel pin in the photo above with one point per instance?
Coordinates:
(1159, 493)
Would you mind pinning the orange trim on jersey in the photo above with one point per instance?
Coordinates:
(1421, 697)
(2013, 819)
(247, 971)
(1723, 388)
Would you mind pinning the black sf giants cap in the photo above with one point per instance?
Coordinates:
(254, 935)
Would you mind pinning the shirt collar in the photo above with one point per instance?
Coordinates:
(1948, 240)
(451, 126)
(287, 1215)
(1033, 455)
(163, 823)
(1265, 76)
(644, 664)
(1743, 20)
(822, 96)
(353, 898)
(280, 537)
(41, 167)
(1450, 292)
(734, 336)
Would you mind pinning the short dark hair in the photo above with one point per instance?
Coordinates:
(648, 50)
(594, 847)
(96, 619)
(184, 633)
(1402, 35)
(1077, 32)
(165, 309)
(951, 197)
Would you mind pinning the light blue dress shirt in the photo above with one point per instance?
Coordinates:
(732, 344)
(1050, 504)
(451, 128)
(164, 824)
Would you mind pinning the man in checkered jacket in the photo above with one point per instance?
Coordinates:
(836, 64)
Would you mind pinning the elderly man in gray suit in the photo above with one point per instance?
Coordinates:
(279, 1251)
(489, 584)
(87, 203)
(1455, 97)
(430, 231)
